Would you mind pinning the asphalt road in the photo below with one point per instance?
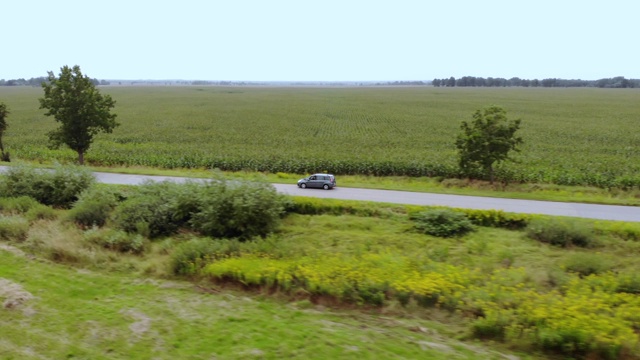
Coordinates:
(603, 212)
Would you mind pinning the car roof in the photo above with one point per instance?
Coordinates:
(323, 174)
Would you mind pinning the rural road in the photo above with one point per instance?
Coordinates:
(602, 212)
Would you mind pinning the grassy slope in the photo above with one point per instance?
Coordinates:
(92, 315)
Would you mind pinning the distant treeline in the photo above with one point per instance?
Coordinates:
(402, 83)
(616, 82)
(39, 80)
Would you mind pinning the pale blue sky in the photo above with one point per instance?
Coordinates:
(322, 40)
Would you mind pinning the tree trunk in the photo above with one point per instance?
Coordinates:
(3, 156)
(81, 157)
(491, 175)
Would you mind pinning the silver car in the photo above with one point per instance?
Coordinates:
(320, 181)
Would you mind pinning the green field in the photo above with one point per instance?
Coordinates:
(572, 136)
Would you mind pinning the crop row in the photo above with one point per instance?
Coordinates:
(572, 136)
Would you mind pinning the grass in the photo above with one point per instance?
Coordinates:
(85, 314)
(86, 301)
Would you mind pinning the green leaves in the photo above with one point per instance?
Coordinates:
(83, 112)
(487, 140)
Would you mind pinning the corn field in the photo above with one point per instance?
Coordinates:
(572, 136)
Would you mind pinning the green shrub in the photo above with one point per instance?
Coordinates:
(116, 240)
(94, 206)
(59, 187)
(237, 209)
(316, 206)
(621, 229)
(41, 212)
(149, 211)
(13, 228)
(17, 205)
(189, 257)
(629, 283)
(490, 327)
(586, 264)
(561, 232)
(217, 208)
(497, 218)
(442, 223)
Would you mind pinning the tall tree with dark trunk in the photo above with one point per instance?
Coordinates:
(3, 127)
(487, 140)
(82, 111)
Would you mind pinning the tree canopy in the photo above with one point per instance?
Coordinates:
(82, 111)
(487, 140)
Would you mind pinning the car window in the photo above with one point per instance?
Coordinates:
(312, 178)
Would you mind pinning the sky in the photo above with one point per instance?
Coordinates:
(321, 40)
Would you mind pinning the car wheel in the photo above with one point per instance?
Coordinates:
(304, 186)
(326, 187)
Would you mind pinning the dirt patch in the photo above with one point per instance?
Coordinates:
(12, 249)
(142, 322)
(13, 294)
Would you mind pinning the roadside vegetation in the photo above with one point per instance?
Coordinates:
(554, 287)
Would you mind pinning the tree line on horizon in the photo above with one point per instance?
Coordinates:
(37, 81)
(474, 81)
(465, 81)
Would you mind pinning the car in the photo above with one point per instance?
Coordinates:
(320, 181)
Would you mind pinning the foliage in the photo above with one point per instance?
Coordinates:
(41, 212)
(189, 257)
(116, 240)
(58, 187)
(496, 218)
(442, 223)
(3, 127)
(17, 205)
(73, 100)
(487, 140)
(149, 211)
(236, 209)
(317, 206)
(586, 264)
(94, 206)
(217, 208)
(561, 232)
(13, 228)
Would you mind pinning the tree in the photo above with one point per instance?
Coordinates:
(487, 140)
(73, 100)
(3, 127)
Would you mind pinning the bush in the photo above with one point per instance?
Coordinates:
(58, 187)
(586, 264)
(17, 205)
(116, 240)
(217, 208)
(189, 257)
(94, 207)
(41, 212)
(234, 209)
(442, 223)
(13, 228)
(560, 232)
(316, 206)
(497, 218)
(149, 211)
